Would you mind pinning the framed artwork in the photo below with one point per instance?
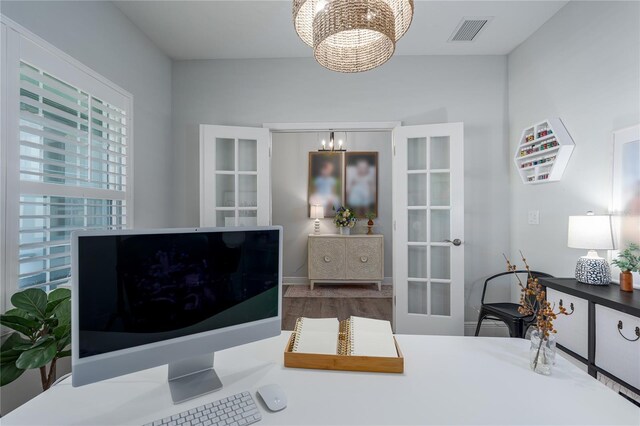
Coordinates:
(361, 182)
(626, 191)
(325, 184)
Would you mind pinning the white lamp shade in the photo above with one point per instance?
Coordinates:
(317, 212)
(590, 232)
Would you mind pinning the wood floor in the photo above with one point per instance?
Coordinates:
(325, 307)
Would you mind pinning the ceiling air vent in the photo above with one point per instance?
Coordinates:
(468, 29)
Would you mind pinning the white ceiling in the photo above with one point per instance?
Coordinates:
(263, 29)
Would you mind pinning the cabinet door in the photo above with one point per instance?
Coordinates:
(327, 258)
(573, 329)
(364, 258)
(616, 350)
(234, 176)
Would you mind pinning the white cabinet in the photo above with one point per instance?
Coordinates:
(346, 258)
(573, 329)
(616, 354)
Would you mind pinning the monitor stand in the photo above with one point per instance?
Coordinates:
(192, 377)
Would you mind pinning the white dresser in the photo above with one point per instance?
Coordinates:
(346, 259)
(604, 330)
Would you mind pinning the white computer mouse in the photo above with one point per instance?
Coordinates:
(273, 396)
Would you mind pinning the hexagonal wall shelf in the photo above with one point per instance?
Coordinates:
(543, 152)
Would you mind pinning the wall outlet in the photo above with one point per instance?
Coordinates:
(534, 217)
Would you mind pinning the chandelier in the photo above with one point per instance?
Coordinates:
(352, 35)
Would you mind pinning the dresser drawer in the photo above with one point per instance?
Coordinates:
(573, 329)
(365, 259)
(327, 258)
(614, 353)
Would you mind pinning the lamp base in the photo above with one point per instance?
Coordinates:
(594, 271)
(316, 227)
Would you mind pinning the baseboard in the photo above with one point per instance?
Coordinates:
(489, 329)
(305, 281)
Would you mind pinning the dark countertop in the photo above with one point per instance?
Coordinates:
(606, 295)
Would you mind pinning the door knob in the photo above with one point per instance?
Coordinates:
(455, 242)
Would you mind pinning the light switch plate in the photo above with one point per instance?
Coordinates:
(534, 217)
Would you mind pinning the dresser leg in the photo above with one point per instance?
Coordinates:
(311, 284)
(379, 285)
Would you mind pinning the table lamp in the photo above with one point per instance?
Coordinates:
(317, 212)
(591, 232)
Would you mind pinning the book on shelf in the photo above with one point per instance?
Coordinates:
(355, 336)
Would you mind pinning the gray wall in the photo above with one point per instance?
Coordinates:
(414, 90)
(289, 179)
(101, 37)
(583, 66)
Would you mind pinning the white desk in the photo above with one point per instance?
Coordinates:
(447, 380)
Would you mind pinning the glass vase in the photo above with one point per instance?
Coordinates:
(542, 354)
(344, 230)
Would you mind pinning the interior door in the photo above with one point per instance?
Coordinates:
(428, 238)
(234, 176)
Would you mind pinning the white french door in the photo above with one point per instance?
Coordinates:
(428, 266)
(234, 176)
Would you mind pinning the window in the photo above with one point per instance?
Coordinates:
(67, 160)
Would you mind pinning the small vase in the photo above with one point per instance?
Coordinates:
(626, 281)
(370, 227)
(344, 230)
(542, 354)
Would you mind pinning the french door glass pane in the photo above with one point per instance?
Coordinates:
(418, 297)
(417, 190)
(247, 190)
(417, 231)
(440, 225)
(417, 261)
(225, 191)
(440, 189)
(225, 218)
(417, 153)
(440, 262)
(225, 154)
(439, 152)
(247, 155)
(248, 218)
(440, 299)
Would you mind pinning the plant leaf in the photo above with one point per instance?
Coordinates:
(32, 300)
(9, 372)
(63, 354)
(20, 313)
(9, 356)
(41, 354)
(59, 293)
(24, 326)
(52, 305)
(63, 312)
(62, 331)
(13, 340)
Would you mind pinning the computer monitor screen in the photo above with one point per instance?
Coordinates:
(185, 291)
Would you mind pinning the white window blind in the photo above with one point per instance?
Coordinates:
(73, 172)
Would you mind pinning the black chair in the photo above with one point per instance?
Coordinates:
(517, 323)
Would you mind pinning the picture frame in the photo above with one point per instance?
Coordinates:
(361, 171)
(325, 181)
(625, 203)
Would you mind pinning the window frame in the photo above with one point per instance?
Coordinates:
(19, 44)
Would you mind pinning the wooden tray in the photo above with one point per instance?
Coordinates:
(343, 362)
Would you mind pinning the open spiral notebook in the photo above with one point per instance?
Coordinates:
(361, 337)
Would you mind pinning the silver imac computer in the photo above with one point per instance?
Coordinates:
(147, 298)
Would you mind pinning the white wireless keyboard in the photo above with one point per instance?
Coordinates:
(237, 410)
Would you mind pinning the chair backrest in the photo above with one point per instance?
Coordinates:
(535, 274)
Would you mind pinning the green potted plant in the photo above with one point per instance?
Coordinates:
(42, 325)
(628, 262)
(370, 216)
